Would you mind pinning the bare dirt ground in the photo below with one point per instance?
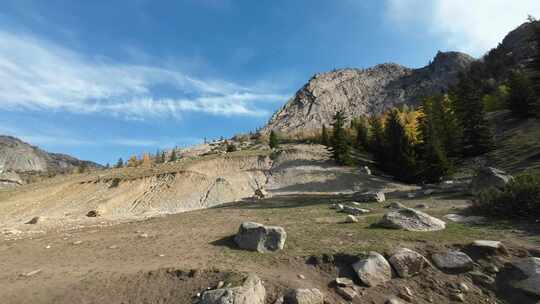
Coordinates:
(170, 259)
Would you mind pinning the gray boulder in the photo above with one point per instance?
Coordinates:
(408, 263)
(489, 178)
(530, 269)
(373, 269)
(371, 196)
(453, 260)
(411, 220)
(257, 237)
(251, 292)
(304, 296)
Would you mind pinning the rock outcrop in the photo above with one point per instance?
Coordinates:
(18, 156)
(370, 91)
(489, 178)
(257, 237)
(411, 220)
(251, 292)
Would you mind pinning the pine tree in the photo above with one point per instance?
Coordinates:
(476, 133)
(173, 157)
(273, 140)
(521, 98)
(400, 154)
(434, 163)
(341, 150)
(119, 163)
(325, 141)
(376, 140)
(361, 127)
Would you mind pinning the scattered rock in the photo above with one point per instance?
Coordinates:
(408, 263)
(365, 170)
(257, 237)
(393, 301)
(453, 260)
(421, 206)
(32, 273)
(463, 287)
(143, 235)
(489, 178)
(93, 213)
(395, 205)
(429, 192)
(458, 297)
(373, 269)
(351, 219)
(301, 276)
(354, 210)
(220, 284)
(303, 296)
(33, 221)
(113, 247)
(530, 269)
(482, 279)
(372, 196)
(465, 219)
(344, 282)
(77, 242)
(489, 247)
(411, 220)
(260, 193)
(411, 195)
(346, 292)
(406, 294)
(252, 291)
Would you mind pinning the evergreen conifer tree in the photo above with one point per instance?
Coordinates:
(341, 150)
(477, 137)
(273, 140)
(376, 144)
(521, 100)
(173, 157)
(119, 163)
(400, 154)
(361, 133)
(434, 163)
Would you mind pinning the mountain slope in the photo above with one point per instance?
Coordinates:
(18, 156)
(371, 91)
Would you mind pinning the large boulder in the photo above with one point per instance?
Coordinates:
(489, 178)
(453, 260)
(530, 270)
(486, 247)
(303, 296)
(251, 292)
(373, 269)
(411, 220)
(257, 237)
(371, 196)
(408, 263)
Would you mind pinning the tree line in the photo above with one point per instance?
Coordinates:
(423, 144)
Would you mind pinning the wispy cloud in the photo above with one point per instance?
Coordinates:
(473, 26)
(40, 75)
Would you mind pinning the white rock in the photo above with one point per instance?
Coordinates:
(351, 219)
(304, 296)
(373, 269)
(411, 220)
(408, 263)
(252, 291)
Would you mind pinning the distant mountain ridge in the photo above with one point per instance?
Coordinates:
(371, 91)
(19, 156)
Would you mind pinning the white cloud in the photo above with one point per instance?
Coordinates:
(473, 26)
(39, 75)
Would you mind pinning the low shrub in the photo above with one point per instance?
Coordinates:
(519, 198)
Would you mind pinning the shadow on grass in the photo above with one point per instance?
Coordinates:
(227, 241)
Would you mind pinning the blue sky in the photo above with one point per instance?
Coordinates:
(106, 79)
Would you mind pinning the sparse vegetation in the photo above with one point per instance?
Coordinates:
(273, 141)
(520, 198)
